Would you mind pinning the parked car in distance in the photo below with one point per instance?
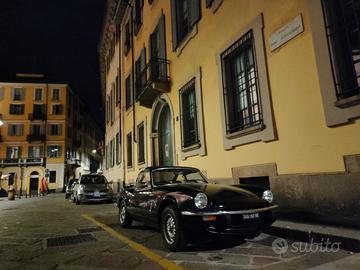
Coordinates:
(69, 188)
(92, 188)
(181, 202)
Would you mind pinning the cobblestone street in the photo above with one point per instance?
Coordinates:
(29, 228)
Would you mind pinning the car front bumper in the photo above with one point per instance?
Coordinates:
(242, 222)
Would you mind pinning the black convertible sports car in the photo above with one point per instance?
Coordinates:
(180, 202)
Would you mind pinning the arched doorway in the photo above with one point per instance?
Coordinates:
(162, 134)
(34, 183)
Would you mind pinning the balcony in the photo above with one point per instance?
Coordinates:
(37, 116)
(152, 81)
(73, 161)
(8, 162)
(36, 137)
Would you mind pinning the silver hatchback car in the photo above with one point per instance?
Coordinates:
(92, 188)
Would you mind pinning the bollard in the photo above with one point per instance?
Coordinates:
(11, 194)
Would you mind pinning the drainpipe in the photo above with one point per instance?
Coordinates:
(133, 68)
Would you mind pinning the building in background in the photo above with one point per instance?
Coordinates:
(45, 133)
(254, 92)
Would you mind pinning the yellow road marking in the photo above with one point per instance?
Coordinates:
(167, 264)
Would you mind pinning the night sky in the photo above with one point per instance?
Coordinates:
(58, 38)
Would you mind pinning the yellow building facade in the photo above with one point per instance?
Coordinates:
(39, 136)
(249, 91)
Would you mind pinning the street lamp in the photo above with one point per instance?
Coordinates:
(94, 151)
(1, 123)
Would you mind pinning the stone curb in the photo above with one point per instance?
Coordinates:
(304, 235)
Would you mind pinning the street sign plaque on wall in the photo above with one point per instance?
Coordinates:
(286, 33)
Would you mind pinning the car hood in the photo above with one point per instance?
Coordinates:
(222, 196)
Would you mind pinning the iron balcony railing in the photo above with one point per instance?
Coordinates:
(36, 137)
(37, 116)
(22, 162)
(156, 70)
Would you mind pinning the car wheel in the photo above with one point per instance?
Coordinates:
(125, 219)
(171, 229)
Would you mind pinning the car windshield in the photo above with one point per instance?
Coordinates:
(172, 176)
(93, 179)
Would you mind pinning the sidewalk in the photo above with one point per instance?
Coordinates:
(348, 237)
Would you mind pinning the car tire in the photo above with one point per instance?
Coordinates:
(124, 218)
(172, 229)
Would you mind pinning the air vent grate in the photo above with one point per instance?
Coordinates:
(69, 240)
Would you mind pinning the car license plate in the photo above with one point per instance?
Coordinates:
(251, 216)
(96, 194)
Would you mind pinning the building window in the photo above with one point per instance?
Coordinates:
(184, 15)
(140, 70)
(17, 109)
(55, 94)
(13, 152)
(107, 156)
(55, 129)
(38, 94)
(138, 20)
(35, 151)
(107, 109)
(127, 39)
(128, 89)
(240, 87)
(190, 134)
(52, 177)
(342, 19)
(54, 151)
(35, 129)
(57, 109)
(18, 94)
(117, 89)
(1, 93)
(11, 180)
(129, 156)
(112, 153)
(118, 148)
(15, 129)
(141, 143)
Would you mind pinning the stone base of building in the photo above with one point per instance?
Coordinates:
(318, 197)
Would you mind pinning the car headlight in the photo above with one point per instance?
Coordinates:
(268, 196)
(81, 188)
(201, 200)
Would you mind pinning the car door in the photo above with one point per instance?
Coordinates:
(144, 198)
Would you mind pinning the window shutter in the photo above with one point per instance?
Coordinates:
(143, 60)
(131, 89)
(1, 93)
(31, 152)
(21, 130)
(161, 36)
(19, 151)
(59, 151)
(173, 25)
(13, 94)
(60, 129)
(194, 11)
